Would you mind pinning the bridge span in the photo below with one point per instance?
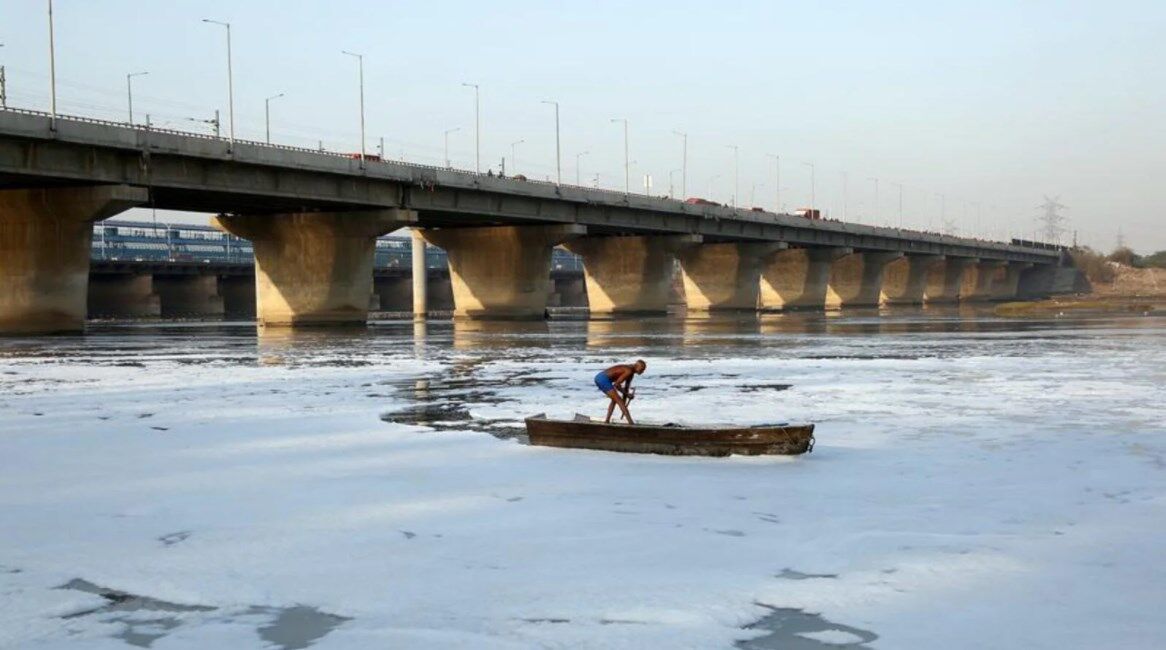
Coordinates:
(313, 218)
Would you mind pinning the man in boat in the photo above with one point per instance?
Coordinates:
(616, 383)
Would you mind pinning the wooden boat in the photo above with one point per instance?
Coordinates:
(671, 439)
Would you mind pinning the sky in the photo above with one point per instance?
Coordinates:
(977, 110)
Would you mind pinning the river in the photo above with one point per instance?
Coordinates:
(977, 482)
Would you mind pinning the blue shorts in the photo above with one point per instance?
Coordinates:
(604, 383)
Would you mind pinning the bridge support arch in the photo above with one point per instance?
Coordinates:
(1007, 284)
(977, 284)
(724, 276)
(905, 279)
(501, 272)
(944, 280)
(45, 240)
(627, 275)
(797, 278)
(314, 268)
(857, 279)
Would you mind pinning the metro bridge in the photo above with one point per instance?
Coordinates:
(313, 219)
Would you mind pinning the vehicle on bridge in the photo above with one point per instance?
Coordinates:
(809, 213)
(696, 200)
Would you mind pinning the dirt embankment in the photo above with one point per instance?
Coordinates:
(1131, 283)
(1121, 289)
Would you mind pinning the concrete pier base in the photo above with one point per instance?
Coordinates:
(857, 279)
(797, 278)
(944, 280)
(189, 296)
(314, 268)
(45, 237)
(1006, 286)
(722, 277)
(905, 279)
(629, 274)
(123, 295)
(501, 272)
(977, 281)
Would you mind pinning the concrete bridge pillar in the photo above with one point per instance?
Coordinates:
(314, 268)
(977, 283)
(724, 276)
(501, 272)
(45, 237)
(797, 278)
(420, 275)
(189, 296)
(123, 295)
(905, 279)
(944, 280)
(1007, 283)
(857, 279)
(629, 274)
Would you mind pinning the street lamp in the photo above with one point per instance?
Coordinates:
(813, 197)
(52, 69)
(230, 80)
(514, 156)
(776, 181)
(558, 154)
(447, 132)
(130, 91)
(626, 164)
(360, 66)
(671, 186)
(3, 87)
(684, 164)
(736, 183)
(900, 186)
(267, 114)
(477, 129)
(845, 202)
(578, 174)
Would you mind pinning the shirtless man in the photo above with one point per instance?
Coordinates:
(616, 380)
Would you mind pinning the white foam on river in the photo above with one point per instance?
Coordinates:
(975, 484)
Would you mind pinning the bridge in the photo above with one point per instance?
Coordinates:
(313, 219)
(149, 269)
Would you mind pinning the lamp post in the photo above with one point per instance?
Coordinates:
(578, 166)
(736, 179)
(776, 181)
(360, 67)
(477, 129)
(671, 185)
(267, 114)
(447, 132)
(3, 87)
(130, 92)
(514, 156)
(684, 164)
(52, 70)
(900, 186)
(813, 196)
(230, 80)
(626, 163)
(558, 151)
(845, 202)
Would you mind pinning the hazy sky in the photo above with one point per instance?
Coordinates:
(996, 103)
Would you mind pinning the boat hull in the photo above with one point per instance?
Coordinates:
(783, 440)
